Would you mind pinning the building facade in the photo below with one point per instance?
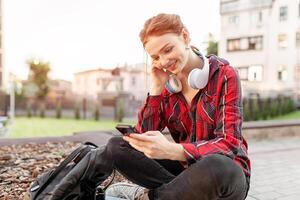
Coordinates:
(60, 89)
(93, 84)
(261, 38)
(110, 88)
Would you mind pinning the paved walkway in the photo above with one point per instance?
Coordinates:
(275, 169)
(275, 164)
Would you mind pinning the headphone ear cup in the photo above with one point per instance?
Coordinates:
(198, 78)
(192, 77)
(173, 85)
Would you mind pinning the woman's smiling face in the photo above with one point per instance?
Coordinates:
(168, 51)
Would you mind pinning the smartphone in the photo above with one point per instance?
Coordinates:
(125, 129)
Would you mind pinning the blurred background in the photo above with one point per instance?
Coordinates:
(70, 66)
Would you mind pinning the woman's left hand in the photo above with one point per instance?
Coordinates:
(152, 143)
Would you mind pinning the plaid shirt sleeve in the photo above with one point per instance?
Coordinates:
(229, 115)
(150, 115)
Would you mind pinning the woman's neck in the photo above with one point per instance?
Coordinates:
(194, 61)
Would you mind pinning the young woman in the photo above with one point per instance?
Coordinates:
(199, 100)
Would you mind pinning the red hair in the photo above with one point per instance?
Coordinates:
(161, 24)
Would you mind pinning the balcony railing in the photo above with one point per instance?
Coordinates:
(235, 6)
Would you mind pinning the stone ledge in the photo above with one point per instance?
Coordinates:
(259, 130)
(270, 124)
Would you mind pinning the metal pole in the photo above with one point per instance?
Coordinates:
(12, 100)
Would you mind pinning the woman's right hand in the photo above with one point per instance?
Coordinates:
(158, 80)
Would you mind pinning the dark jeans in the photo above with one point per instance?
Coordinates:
(210, 178)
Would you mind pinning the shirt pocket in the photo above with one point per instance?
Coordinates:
(206, 108)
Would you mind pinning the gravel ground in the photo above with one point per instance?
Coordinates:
(20, 165)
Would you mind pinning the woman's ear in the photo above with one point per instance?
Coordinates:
(186, 36)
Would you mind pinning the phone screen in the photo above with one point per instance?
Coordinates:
(125, 129)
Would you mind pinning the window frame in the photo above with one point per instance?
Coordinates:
(297, 42)
(256, 79)
(282, 44)
(251, 46)
(283, 13)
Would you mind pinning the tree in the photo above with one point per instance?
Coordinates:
(212, 45)
(38, 77)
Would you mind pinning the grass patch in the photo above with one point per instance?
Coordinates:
(37, 127)
(292, 115)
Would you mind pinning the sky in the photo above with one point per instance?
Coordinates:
(78, 35)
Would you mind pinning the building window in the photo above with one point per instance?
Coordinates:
(243, 73)
(233, 45)
(298, 39)
(283, 13)
(282, 41)
(133, 81)
(233, 19)
(255, 43)
(257, 18)
(255, 73)
(245, 43)
(282, 73)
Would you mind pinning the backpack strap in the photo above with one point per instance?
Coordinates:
(76, 155)
(84, 151)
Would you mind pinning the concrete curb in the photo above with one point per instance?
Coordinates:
(97, 137)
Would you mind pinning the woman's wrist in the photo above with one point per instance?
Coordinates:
(177, 152)
(154, 90)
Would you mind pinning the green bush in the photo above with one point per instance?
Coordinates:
(77, 112)
(246, 110)
(42, 111)
(120, 111)
(264, 107)
(257, 108)
(280, 100)
(274, 111)
(29, 110)
(255, 112)
(291, 105)
(58, 111)
(97, 112)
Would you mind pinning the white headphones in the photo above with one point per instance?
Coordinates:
(173, 85)
(197, 79)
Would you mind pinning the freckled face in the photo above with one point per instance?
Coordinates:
(168, 51)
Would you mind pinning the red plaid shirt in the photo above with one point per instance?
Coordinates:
(210, 125)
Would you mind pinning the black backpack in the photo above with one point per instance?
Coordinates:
(43, 186)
